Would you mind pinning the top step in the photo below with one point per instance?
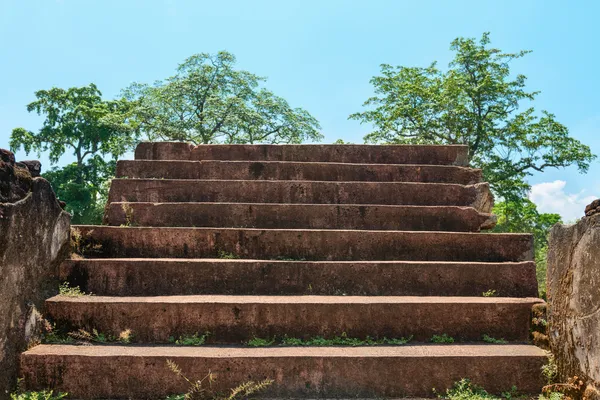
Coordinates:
(339, 153)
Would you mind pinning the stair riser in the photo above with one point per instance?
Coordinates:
(302, 192)
(392, 154)
(236, 322)
(146, 377)
(297, 216)
(250, 170)
(327, 245)
(164, 278)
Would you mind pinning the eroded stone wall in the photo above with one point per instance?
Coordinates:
(34, 237)
(574, 299)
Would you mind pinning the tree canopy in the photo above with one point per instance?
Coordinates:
(209, 101)
(78, 120)
(523, 216)
(475, 102)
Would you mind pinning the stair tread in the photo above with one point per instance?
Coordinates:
(409, 350)
(325, 262)
(307, 299)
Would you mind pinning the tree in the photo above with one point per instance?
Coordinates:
(522, 216)
(209, 101)
(77, 119)
(476, 103)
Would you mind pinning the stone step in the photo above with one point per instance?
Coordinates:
(236, 319)
(165, 277)
(301, 192)
(297, 244)
(135, 372)
(299, 216)
(297, 171)
(347, 153)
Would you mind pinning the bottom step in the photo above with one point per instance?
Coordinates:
(402, 371)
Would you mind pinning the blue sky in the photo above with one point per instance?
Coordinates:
(319, 55)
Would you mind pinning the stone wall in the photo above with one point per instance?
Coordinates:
(574, 299)
(34, 238)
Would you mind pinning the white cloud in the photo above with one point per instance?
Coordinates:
(550, 197)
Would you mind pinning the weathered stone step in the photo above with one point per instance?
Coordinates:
(120, 372)
(325, 244)
(305, 192)
(236, 319)
(347, 153)
(298, 171)
(165, 277)
(299, 216)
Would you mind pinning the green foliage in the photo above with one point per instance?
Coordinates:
(87, 196)
(475, 102)
(209, 101)
(522, 216)
(78, 120)
(466, 390)
(550, 370)
(70, 291)
(259, 342)
(43, 395)
(342, 340)
(193, 340)
(227, 255)
(490, 293)
(441, 339)
(202, 389)
(489, 339)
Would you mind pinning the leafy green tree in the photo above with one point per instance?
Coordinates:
(79, 120)
(209, 101)
(523, 216)
(475, 102)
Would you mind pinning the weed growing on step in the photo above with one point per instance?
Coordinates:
(71, 291)
(550, 370)
(42, 395)
(94, 336)
(441, 339)
(489, 339)
(259, 342)
(491, 293)
(128, 211)
(21, 394)
(342, 340)
(574, 388)
(202, 389)
(83, 245)
(288, 258)
(227, 256)
(193, 340)
(466, 390)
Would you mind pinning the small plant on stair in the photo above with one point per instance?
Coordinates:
(489, 339)
(71, 291)
(441, 339)
(466, 390)
(491, 293)
(202, 389)
(20, 394)
(190, 340)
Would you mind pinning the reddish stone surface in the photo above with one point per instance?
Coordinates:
(299, 216)
(236, 319)
(404, 371)
(286, 170)
(121, 277)
(111, 242)
(347, 153)
(301, 192)
(148, 277)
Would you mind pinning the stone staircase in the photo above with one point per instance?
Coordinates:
(265, 241)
